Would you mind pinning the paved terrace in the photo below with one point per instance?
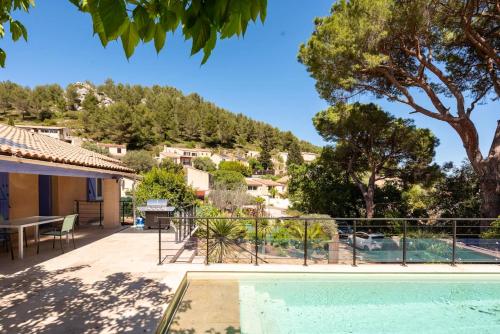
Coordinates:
(112, 284)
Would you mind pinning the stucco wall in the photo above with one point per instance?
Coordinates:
(65, 191)
(23, 195)
(111, 205)
(197, 179)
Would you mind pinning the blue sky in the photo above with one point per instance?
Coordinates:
(258, 75)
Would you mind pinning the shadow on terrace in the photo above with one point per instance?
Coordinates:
(84, 235)
(58, 301)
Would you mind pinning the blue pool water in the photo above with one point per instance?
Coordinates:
(369, 303)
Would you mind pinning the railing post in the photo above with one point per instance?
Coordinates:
(159, 240)
(454, 246)
(354, 264)
(256, 241)
(208, 238)
(404, 244)
(100, 213)
(123, 211)
(78, 212)
(305, 242)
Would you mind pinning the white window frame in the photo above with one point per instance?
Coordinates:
(99, 185)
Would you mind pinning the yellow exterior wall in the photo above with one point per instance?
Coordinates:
(65, 191)
(23, 195)
(111, 205)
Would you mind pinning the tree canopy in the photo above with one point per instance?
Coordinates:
(140, 161)
(444, 52)
(134, 21)
(204, 163)
(235, 166)
(371, 144)
(162, 183)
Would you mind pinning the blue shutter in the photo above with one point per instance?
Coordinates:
(4, 195)
(44, 195)
(91, 189)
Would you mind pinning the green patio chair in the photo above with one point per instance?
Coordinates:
(68, 226)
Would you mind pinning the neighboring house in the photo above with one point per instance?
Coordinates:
(41, 175)
(252, 154)
(309, 156)
(183, 156)
(116, 150)
(217, 158)
(199, 180)
(284, 181)
(126, 187)
(56, 132)
(262, 187)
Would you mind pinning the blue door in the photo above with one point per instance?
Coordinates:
(44, 195)
(4, 195)
(91, 189)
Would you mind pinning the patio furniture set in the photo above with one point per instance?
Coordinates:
(8, 229)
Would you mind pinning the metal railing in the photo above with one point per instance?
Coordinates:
(183, 228)
(126, 212)
(311, 240)
(89, 212)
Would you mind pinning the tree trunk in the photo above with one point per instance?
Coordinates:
(489, 184)
(487, 169)
(369, 204)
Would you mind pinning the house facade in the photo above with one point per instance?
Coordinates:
(259, 187)
(42, 176)
(199, 180)
(183, 156)
(115, 150)
(56, 132)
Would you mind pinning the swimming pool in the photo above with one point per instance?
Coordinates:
(339, 303)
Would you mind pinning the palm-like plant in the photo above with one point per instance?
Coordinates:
(223, 235)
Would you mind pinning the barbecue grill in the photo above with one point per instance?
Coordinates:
(154, 210)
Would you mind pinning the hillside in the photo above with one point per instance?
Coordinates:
(138, 116)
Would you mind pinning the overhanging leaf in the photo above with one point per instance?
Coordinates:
(113, 16)
(130, 39)
(2, 58)
(160, 37)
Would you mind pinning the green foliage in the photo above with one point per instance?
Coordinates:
(204, 163)
(266, 147)
(141, 117)
(171, 166)
(202, 21)
(17, 29)
(134, 21)
(161, 183)
(322, 187)
(386, 46)
(228, 179)
(140, 161)
(371, 143)
(493, 232)
(440, 58)
(95, 148)
(254, 164)
(294, 154)
(457, 192)
(235, 166)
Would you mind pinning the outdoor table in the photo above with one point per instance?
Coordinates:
(21, 223)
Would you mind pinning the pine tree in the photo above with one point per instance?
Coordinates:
(294, 154)
(266, 146)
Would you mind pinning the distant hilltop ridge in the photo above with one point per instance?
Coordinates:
(140, 117)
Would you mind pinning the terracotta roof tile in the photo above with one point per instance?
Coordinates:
(25, 144)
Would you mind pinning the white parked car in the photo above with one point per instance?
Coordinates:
(367, 241)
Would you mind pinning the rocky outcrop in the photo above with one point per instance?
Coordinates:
(82, 89)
